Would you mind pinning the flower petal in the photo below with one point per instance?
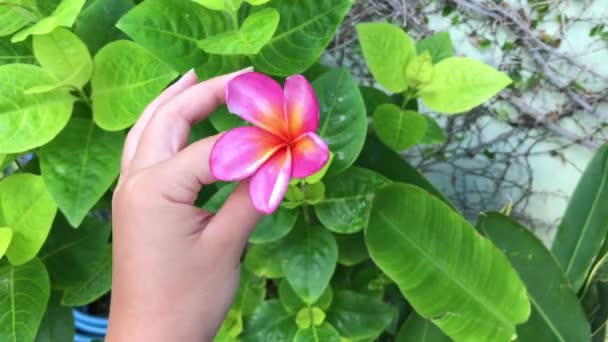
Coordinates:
(301, 105)
(269, 184)
(258, 99)
(310, 153)
(241, 151)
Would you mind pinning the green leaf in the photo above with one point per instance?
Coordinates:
(305, 30)
(79, 166)
(322, 333)
(216, 5)
(275, 226)
(222, 120)
(595, 302)
(415, 239)
(96, 25)
(45, 114)
(377, 157)
(373, 98)
(264, 260)
(316, 177)
(348, 200)
(28, 209)
(460, 84)
(399, 129)
(219, 65)
(309, 256)
(69, 253)
(357, 316)
(170, 29)
(15, 53)
(434, 133)
(256, 2)
(351, 248)
(343, 123)
(62, 53)
(557, 314)
(96, 285)
(216, 201)
(64, 15)
(270, 322)
(585, 222)
(309, 317)
(24, 293)
(250, 295)
(438, 45)
(231, 328)
(380, 40)
(58, 322)
(125, 79)
(16, 14)
(362, 278)
(290, 300)
(418, 329)
(6, 235)
(254, 33)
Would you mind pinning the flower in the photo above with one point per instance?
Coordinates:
(282, 143)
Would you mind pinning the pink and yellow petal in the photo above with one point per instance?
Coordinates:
(301, 105)
(258, 99)
(241, 151)
(269, 184)
(310, 153)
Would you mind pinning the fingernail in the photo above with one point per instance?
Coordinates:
(187, 76)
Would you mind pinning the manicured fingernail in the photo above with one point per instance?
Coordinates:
(187, 76)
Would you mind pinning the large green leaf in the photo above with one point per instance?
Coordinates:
(557, 314)
(373, 97)
(6, 235)
(96, 285)
(270, 322)
(305, 30)
(24, 293)
(348, 200)
(69, 253)
(126, 78)
(255, 32)
(434, 133)
(585, 223)
(58, 322)
(378, 42)
(460, 84)
(418, 329)
(250, 295)
(264, 259)
(275, 226)
(15, 14)
(399, 129)
(218, 65)
(28, 209)
(357, 316)
(96, 25)
(64, 15)
(15, 53)
(343, 123)
(29, 121)
(595, 302)
(65, 55)
(321, 333)
(438, 45)
(170, 29)
(309, 256)
(80, 165)
(377, 157)
(443, 267)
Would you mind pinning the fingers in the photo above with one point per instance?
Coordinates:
(167, 131)
(186, 81)
(232, 225)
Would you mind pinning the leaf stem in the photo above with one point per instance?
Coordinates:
(235, 20)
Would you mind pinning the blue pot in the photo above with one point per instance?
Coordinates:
(89, 327)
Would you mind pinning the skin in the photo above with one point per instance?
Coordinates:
(175, 266)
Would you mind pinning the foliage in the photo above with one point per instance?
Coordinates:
(366, 249)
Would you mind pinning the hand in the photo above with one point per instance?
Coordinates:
(176, 267)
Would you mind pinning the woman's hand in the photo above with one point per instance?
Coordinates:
(176, 267)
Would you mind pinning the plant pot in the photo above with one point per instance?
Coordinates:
(91, 321)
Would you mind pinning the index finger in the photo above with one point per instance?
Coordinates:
(167, 131)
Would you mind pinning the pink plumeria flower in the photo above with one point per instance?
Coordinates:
(282, 144)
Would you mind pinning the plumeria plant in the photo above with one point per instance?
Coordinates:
(356, 245)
